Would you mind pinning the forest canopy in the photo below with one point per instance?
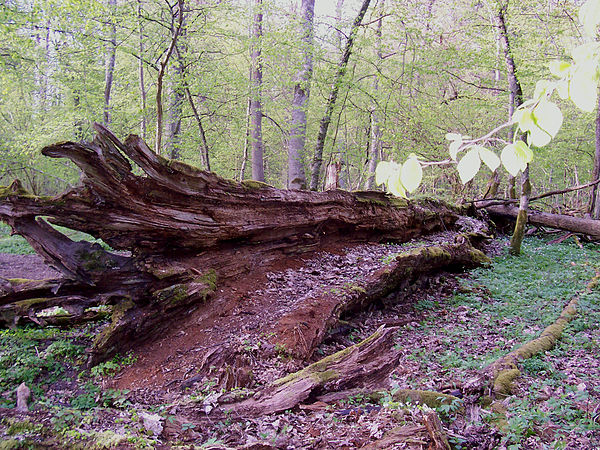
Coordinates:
(416, 72)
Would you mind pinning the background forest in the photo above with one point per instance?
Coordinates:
(221, 79)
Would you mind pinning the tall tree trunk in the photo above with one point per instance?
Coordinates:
(516, 99)
(258, 171)
(375, 147)
(161, 75)
(335, 88)
(595, 194)
(296, 176)
(177, 90)
(143, 125)
(111, 54)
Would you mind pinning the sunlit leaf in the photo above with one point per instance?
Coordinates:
(523, 152)
(559, 68)
(524, 119)
(384, 170)
(489, 158)
(395, 186)
(411, 173)
(454, 148)
(469, 165)
(544, 88)
(589, 16)
(510, 161)
(453, 136)
(548, 119)
(582, 89)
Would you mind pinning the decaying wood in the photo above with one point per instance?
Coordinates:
(184, 231)
(367, 365)
(302, 330)
(580, 225)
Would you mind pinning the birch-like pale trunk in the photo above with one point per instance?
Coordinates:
(256, 75)
(297, 140)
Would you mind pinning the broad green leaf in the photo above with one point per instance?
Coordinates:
(469, 165)
(384, 170)
(411, 173)
(453, 136)
(589, 16)
(489, 158)
(510, 160)
(562, 87)
(454, 148)
(559, 68)
(395, 186)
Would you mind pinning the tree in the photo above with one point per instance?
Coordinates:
(331, 101)
(256, 113)
(111, 51)
(297, 140)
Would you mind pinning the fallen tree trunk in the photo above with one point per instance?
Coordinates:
(185, 231)
(590, 227)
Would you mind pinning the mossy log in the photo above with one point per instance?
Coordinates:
(589, 227)
(366, 365)
(303, 329)
(177, 231)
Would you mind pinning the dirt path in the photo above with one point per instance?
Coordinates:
(25, 266)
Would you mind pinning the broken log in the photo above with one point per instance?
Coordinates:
(184, 231)
(590, 227)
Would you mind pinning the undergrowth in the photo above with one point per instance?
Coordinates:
(556, 401)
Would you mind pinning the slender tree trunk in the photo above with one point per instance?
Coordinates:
(326, 120)
(246, 143)
(161, 74)
(177, 89)
(143, 125)
(516, 99)
(375, 147)
(595, 194)
(258, 170)
(111, 54)
(338, 18)
(296, 176)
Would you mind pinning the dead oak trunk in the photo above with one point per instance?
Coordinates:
(185, 230)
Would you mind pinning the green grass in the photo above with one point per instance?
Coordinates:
(17, 245)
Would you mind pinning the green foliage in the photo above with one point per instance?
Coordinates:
(114, 365)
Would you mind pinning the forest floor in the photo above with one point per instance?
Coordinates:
(450, 328)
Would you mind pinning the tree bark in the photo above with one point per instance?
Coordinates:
(111, 50)
(594, 208)
(186, 231)
(161, 74)
(588, 227)
(258, 171)
(143, 124)
(177, 87)
(516, 100)
(296, 175)
(331, 101)
(375, 147)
